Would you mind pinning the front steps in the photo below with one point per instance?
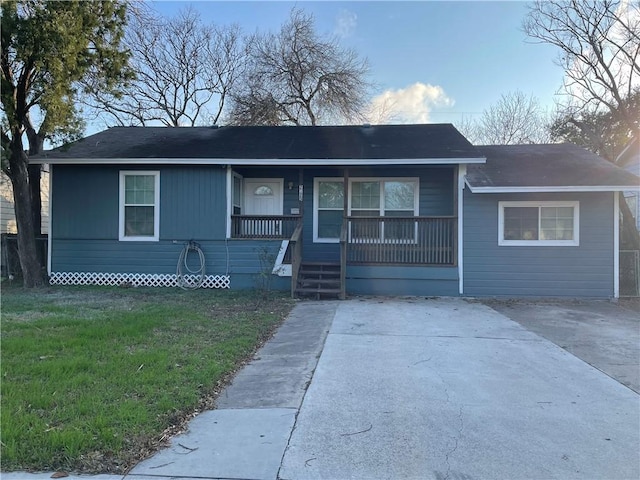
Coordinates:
(319, 279)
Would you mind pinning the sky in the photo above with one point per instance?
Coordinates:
(436, 61)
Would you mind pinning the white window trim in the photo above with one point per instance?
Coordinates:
(156, 211)
(382, 180)
(540, 243)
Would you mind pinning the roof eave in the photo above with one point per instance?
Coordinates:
(553, 189)
(262, 162)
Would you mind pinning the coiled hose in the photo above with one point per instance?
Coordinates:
(184, 274)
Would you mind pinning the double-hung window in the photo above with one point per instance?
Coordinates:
(329, 201)
(538, 223)
(139, 205)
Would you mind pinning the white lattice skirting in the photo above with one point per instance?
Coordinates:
(135, 279)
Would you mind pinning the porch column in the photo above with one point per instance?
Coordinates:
(460, 177)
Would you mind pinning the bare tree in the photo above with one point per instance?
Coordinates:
(184, 72)
(296, 77)
(514, 119)
(599, 44)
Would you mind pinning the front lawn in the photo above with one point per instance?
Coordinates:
(94, 379)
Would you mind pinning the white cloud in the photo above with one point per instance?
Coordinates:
(346, 23)
(412, 104)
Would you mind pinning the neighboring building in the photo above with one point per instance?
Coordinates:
(629, 159)
(7, 213)
(394, 209)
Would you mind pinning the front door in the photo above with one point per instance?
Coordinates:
(263, 197)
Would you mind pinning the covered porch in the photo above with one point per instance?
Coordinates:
(334, 221)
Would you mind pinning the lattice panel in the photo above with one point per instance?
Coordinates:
(135, 279)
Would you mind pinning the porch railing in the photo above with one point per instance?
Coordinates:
(401, 240)
(263, 226)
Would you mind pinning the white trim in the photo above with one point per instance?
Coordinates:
(136, 279)
(462, 172)
(616, 245)
(539, 243)
(156, 211)
(229, 180)
(316, 181)
(50, 232)
(549, 189)
(279, 268)
(316, 162)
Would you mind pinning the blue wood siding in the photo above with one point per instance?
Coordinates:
(241, 259)
(402, 280)
(582, 271)
(192, 202)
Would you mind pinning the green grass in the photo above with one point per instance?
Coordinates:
(94, 378)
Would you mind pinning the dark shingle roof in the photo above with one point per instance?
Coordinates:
(553, 165)
(335, 142)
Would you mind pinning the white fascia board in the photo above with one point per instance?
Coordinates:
(558, 189)
(316, 162)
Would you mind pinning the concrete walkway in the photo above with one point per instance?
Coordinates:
(408, 388)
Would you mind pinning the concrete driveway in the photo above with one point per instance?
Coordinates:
(447, 389)
(438, 389)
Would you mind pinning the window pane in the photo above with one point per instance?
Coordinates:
(398, 195)
(365, 195)
(521, 223)
(139, 189)
(329, 223)
(556, 223)
(263, 190)
(237, 191)
(138, 221)
(331, 195)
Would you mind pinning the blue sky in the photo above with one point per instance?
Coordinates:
(434, 61)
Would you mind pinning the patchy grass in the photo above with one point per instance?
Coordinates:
(94, 379)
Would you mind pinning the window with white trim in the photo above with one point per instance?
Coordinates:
(329, 208)
(139, 206)
(539, 223)
(369, 197)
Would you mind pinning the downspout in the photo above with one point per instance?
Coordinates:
(616, 245)
(462, 172)
(50, 232)
(229, 199)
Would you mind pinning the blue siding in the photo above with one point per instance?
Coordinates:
(84, 201)
(192, 202)
(241, 259)
(402, 280)
(582, 271)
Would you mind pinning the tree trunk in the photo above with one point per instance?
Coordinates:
(35, 174)
(27, 252)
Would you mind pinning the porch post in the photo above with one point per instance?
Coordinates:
(229, 199)
(462, 171)
(301, 191)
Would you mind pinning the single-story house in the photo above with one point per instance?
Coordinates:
(392, 209)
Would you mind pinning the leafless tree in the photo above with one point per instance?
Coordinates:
(514, 119)
(599, 43)
(295, 77)
(185, 71)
